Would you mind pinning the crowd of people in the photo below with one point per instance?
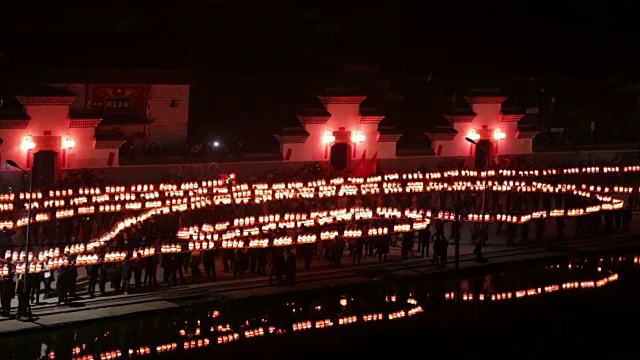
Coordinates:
(279, 265)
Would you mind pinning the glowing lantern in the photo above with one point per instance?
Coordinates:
(69, 143)
(474, 136)
(499, 135)
(28, 144)
(328, 138)
(358, 137)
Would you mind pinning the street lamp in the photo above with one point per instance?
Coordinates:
(24, 309)
(477, 251)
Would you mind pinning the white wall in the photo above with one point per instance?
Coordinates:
(54, 118)
(346, 116)
(489, 115)
(170, 125)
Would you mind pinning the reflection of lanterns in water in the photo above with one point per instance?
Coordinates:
(343, 301)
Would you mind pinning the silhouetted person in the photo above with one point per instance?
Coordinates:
(176, 268)
(62, 284)
(290, 267)
(150, 270)
(93, 272)
(209, 264)
(406, 244)
(103, 277)
(33, 283)
(126, 272)
(194, 266)
(239, 263)
(277, 266)
(424, 236)
(440, 245)
(6, 290)
(73, 279)
(358, 248)
(383, 247)
(262, 262)
(307, 253)
(138, 267)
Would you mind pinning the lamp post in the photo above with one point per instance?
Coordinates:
(477, 251)
(24, 309)
(456, 261)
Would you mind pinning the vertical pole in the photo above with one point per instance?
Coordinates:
(484, 199)
(457, 246)
(25, 289)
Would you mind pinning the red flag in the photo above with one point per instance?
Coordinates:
(373, 164)
(361, 165)
(111, 158)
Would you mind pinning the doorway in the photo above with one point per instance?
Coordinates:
(340, 156)
(45, 168)
(483, 153)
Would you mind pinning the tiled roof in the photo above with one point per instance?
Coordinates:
(293, 131)
(116, 76)
(315, 112)
(529, 120)
(442, 130)
(80, 114)
(14, 115)
(457, 106)
(48, 91)
(124, 119)
(110, 136)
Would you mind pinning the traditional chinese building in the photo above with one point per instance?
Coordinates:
(482, 123)
(80, 119)
(341, 130)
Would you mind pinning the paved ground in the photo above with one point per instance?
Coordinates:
(86, 309)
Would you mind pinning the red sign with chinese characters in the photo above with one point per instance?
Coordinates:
(119, 99)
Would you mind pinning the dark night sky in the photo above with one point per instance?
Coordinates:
(259, 54)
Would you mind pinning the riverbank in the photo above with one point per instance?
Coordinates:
(49, 315)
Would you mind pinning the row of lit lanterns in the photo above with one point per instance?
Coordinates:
(52, 260)
(226, 335)
(131, 221)
(413, 187)
(154, 199)
(220, 185)
(249, 226)
(182, 207)
(517, 294)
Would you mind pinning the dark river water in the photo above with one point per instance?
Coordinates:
(569, 309)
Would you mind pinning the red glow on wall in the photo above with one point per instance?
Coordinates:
(29, 155)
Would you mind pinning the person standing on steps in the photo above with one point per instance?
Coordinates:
(424, 236)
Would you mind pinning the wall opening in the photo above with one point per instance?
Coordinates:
(45, 168)
(340, 156)
(483, 153)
